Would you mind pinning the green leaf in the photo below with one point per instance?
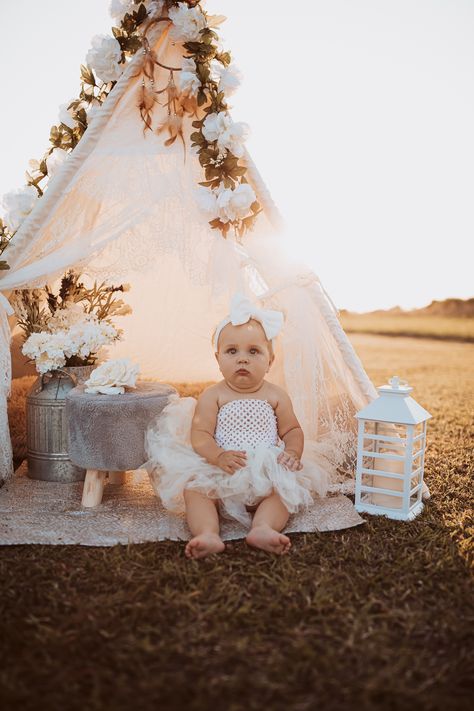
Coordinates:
(87, 75)
(3, 265)
(193, 47)
(198, 138)
(212, 172)
(224, 58)
(204, 160)
(203, 72)
(202, 97)
(141, 13)
(133, 44)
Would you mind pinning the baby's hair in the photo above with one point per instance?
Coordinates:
(269, 342)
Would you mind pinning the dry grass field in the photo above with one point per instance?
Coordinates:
(415, 326)
(376, 617)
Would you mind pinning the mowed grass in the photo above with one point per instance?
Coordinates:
(376, 617)
(439, 327)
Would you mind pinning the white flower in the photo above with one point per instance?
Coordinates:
(187, 22)
(229, 78)
(235, 204)
(214, 125)
(228, 134)
(119, 8)
(104, 58)
(71, 314)
(113, 377)
(17, 204)
(234, 137)
(55, 159)
(155, 8)
(242, 198)
(207, 200)
(48, 350)
(89, 336)
(188, 81)
(65, 115)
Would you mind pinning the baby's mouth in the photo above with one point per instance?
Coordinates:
(242, 371)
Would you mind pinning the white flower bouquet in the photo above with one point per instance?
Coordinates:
(70, 328)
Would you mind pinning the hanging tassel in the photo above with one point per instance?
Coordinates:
(174, 120)
(146, 102)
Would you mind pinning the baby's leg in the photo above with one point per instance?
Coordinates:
(203, 521)
(269, 519)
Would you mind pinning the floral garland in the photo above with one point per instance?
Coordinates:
(205, 79)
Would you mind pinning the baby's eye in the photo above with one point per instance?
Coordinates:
(231, 351)
(254, 350)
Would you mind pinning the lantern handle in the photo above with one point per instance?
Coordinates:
(396, 382)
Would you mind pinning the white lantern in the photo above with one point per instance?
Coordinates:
(390, 453)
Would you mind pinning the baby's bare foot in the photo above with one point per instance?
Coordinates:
(204, 544)
(268, 540)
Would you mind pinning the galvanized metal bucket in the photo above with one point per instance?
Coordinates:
(46, 432)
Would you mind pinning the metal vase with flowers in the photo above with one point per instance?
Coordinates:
(64, 331)
(47, 446)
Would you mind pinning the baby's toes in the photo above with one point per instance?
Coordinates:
(284, 544)
(190, 549)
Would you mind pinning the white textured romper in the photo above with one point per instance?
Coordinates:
(244, 424)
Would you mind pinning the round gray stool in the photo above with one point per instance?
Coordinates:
(106, 433)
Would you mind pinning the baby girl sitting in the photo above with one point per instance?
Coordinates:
(238, 448)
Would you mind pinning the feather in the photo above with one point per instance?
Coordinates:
(146, 101)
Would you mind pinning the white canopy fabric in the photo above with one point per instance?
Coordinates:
(123, 207)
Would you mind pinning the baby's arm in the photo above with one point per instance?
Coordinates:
(203, 427)
(290, 432)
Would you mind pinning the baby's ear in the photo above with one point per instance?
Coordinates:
(217, 356)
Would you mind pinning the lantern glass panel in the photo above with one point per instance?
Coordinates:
(419, 429)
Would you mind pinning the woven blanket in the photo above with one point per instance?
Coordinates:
(33, 511)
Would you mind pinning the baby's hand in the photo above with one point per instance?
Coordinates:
(290, 461)
(231, 461)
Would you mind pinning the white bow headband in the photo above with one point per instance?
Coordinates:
(242, 310)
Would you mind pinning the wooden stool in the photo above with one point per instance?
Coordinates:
(94, 485)
(106, 433)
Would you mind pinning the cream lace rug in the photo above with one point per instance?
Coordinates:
(47, 512)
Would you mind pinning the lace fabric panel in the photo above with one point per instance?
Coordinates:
(125, 209)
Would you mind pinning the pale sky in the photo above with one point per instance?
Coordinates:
(362, 118)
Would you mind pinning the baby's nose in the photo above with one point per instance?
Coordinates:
(243, 359)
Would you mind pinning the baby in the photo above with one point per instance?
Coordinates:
(239, 448)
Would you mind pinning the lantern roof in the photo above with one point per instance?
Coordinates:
(394, 405)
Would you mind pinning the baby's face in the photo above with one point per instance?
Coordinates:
(244, 355)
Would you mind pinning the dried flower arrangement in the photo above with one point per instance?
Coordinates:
(68, 328)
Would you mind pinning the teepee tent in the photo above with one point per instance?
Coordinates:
(124, 206)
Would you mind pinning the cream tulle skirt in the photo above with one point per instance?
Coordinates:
(174, 466)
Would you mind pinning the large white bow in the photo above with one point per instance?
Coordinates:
(242, 309)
